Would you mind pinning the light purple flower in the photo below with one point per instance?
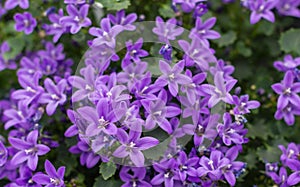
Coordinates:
(166, 173)
(219, 91)
(135, 51)
(106, 34)
(25, 178)
(187, 5)
(29, 150)
(122, 19)
(3, 154)
(243, 105)
(102, 118)
(288, 8)
(132, 145)
(287, 113)
(172, 76)
(167, 31)
(262, 9)
(287, 91)
(6, 63)
(25, 22)
(288, 63)
(53, 178)
(77, 18)
(290, 153)
(54, 96)
(75, 2)
(11, 4)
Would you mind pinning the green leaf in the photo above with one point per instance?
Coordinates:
(115, 4)
(107, 169)
(266, 28)
(166, 11)
(16, 44)
(100, 182)
(226, 39)
(243, 49)
(290, 41)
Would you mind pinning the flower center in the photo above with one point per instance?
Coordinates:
(172, 76)
(32, 151)
(54, 97)
(287, 91)
(87, 87)
(211, 164)
(102, 123)
(29, 89)
(56, 182)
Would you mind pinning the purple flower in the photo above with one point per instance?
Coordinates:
(31, 89)
(288, 8)
(187, 5)
(225, 68)
(243, 105)
(287, 113)
(262, 9)
(56, 28)
(105, 35)
(166, 52)
(172, 76)
(219, 91)
(197, 52)
(75, 2)
(203, 30)
(52, 51)
(166, 173)
(10, 4)
(132, 145)
(4, 63)
(167, 31)
(3, 154)
(135, 51)
(294, 178)
(102, 118)
(291, 152)
(25, 22)
(200, 10)
(158, 112)
(25, 178)
(186, 166)
(77, 18)
(87, 157)
(288, 63)
(212, 166)
(135, 179)
(280, 179)
(54, 96)
(29, 150)
(53, 178)
(122, 19)
(231, 132)
(287, 91)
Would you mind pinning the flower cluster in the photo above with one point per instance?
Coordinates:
(263, 9)
(288, 101)
(288, 173)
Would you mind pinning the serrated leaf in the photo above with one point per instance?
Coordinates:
(226, 39)
(100, 182)
(259, 130)
(115, 4)
(107, 169)
(290, 41)
(16, 44)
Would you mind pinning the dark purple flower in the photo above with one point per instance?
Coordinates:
(10, 4)
(288, 63)
(294, 178)
(262, 9)
(25, 178)
(287, 91)
(88, 157)
(200, 10)
(25, 22)
(187, 5)
(167, 31)
(54, 96)
(132, 145)
(166, 52)
(3, 154)
(166, 173)
(280, 179)
(29, 150)
(231, 132)
(122, 19)
(135, 179)
(186, 166)
(243, 105)
(53, 178)
(219, 91)
(77, 18)
(212, 166)
(172, 76)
